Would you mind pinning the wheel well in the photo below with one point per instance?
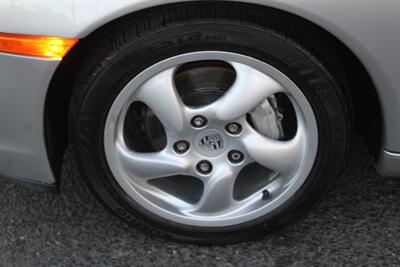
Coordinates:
(366, 109)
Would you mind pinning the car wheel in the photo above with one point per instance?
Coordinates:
(205, 127)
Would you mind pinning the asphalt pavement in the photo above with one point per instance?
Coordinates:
(357, 224)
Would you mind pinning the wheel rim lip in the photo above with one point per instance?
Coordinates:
(118, 110)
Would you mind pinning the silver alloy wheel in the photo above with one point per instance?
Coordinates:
(292, 160)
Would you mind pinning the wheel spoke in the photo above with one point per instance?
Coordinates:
(218, 192)
(150, 165)
(281, 156)
(160, 94)
(250, 88)
(163, 199)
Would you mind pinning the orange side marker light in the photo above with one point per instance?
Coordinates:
(36, 46)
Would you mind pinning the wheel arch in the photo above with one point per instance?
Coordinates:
(367, 120)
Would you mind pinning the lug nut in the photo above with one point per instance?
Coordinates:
(235, 156)
(233, 128)
(181, 146)
(199, 121)
(204, 167)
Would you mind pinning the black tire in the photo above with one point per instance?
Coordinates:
(133, 43)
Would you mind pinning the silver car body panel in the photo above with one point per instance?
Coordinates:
(370, 28)
(23, 86)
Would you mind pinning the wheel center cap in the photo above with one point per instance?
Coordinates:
(210, 143)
